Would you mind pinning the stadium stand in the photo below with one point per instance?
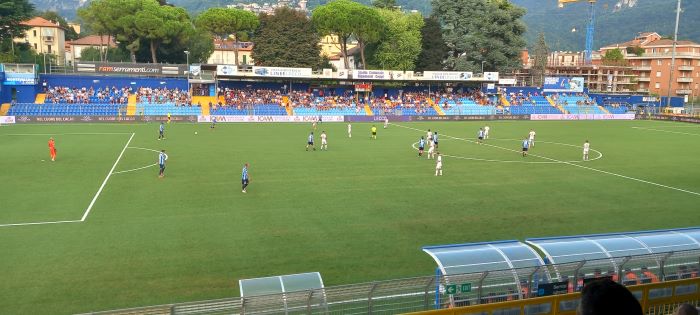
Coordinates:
(23, 109)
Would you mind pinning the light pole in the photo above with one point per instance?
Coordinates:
(482, 67)
(187, 53)
(673, 54)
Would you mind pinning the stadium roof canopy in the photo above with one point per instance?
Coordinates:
(479, 257)
(280, 284)
(601, 246)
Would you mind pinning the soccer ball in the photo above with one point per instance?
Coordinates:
(195, 132)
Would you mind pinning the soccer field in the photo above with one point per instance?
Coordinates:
(111, 234)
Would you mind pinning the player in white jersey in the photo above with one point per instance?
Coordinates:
(531, 138)
(486, 132)
(438, 165)
(429, 136)
(349, 131)
(586, 148)
(324, 142)
(386, 122)
(431, 149)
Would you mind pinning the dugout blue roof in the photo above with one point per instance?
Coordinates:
(479, 257)
(600, 246)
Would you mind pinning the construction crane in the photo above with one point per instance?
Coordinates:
(590, 28)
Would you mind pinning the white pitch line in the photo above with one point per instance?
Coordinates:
(667, 131)
(69, 134)
(40, 223)
(135, 169)
(99, 191)
(576, 165)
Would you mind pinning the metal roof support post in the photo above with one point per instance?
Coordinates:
(369, 297)
(619, 270)
(578, 267)
(662, 266)
(427, 297)
(481, 285)
(529, 282)
(308, 302)
(437, 288)
(243, 305)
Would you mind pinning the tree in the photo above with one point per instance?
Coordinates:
(161, 25)
(200, 46)
(481, 30)
(71, 34)
(336, 18)
(433, 51)
(541, 54)
(368, 27)
(224, 22)
(613, 57)
(401, 43)
(116, 54)
(12, 13)
(286, 39)
(385, 4)
(113, 18)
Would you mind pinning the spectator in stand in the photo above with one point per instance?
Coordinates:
(686, 309)
(630, 278)
(606, 297)
(647, 274)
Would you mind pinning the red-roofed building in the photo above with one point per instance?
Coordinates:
(649, 55)
(45, 37)
(224, 54)
(75, 48)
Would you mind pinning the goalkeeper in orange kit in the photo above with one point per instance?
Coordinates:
(52, 149)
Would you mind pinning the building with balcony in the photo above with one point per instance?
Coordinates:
(45, 37)
(74, 49)
(649, 56)
(224, 53)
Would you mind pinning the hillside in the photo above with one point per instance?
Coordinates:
(617, 20)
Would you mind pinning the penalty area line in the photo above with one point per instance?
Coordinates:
(578, 165)
(40, 223)
(111, 171)
(667, 131)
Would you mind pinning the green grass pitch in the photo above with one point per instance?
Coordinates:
(359, 212)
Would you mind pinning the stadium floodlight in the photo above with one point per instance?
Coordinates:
(187, 54)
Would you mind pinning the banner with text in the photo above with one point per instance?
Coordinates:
(491, 76)
(371, 74)
(563, 84)
(14, 78)
(582, 117)
(226, 70)
(447, 75)
(282, 72)
(101, 119)
(6, 120)
(268, 119)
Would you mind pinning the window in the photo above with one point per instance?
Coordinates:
(657, 85)
(35, 46)
(34, 33)
(49, 47)
(658, 74)
(245, 59)
(659, 62)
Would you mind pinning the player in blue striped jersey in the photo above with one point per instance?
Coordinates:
(310, 142)
(245, 179)
(162, 157)
(421, 146)
(526, 146)
(161, 131)
(480, 138)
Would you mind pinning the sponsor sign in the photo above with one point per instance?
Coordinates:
(546, 289)
(224, 70)
(470, 117)
(101, 119)
(4, 120)
(131, 68)
(13, 78)
(491, 76)
(379, 119)
(371, 74)
(363, 87)
(327, 73)
(582, 117)
(447, 75)
(506, 81)
(341, 74)
(268, 119)
(281, 72)
(397, 75)
(563, 84)
(195, 70)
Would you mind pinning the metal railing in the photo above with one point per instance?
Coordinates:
(433, 292)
